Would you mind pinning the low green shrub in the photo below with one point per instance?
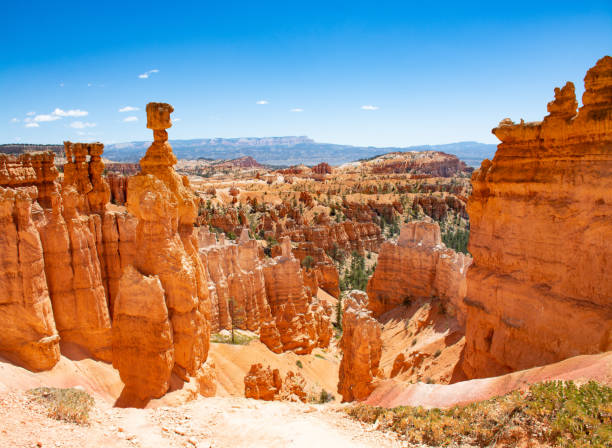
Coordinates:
(70, 405)
(556, 413)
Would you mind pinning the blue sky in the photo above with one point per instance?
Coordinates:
(365, 73)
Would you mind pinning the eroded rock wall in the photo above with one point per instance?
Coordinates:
(29, 336)
(418, 266)
(540, 288)
(302, 321)
(236, 282)
(361, 346)
(74, 274)
(143, 345)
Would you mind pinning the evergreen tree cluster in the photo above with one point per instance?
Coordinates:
(457, 240)
(357, 275)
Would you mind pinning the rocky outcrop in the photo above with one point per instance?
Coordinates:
(142, 336)
(31, 169)
(322, 168)
(348, 235)
(271, 297)
(29, 337)
(418, 266)
(319, 269)
(267, 384)
(236, 282)
(361, 347)
(118, 184)
(431, 163)
(126, 169)
(74, 274)
(302, 321)
(539, 289)
(166, 248)
(86, 175)
(115, 241)
(77, 251)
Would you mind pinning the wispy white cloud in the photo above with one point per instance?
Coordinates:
(297, 109)
(130, 119)
(262, 102)
(70, 113)
(145, 75)
(369, 107)
(46, 117)
(32, 119)
(14, 120)
(82, 125)
(128, 109)
(61, 84)
(174, 120)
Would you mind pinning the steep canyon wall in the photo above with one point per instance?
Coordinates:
(540, 289)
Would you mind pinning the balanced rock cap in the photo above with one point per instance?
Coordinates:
(158, 116)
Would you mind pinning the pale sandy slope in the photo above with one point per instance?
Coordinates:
(207, 422)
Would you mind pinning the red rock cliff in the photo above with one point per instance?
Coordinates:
(540, 288)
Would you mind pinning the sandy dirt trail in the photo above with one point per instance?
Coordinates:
(219, 422)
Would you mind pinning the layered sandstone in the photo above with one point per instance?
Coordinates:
(142, 336)
(418, 266)
(30, 169)
(539, 290)
(118, 184)
(29, 336)
(83, 170)
(361, 347)
(166, 247)
(348, 235)
(74, 274)
(236, 282)
(318, 268)
(267, 384)
(302, 321)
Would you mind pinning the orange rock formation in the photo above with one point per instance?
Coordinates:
(302, 321)
(361, 347)
(166, 247)
(29, 336)
(236, 279)
(86, 175)
(418, 266)
(74, 274)
(30, 169)
(142, 336)
(267, 384)
(539, 290)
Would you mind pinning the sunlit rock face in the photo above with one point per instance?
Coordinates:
(166, 248)
(142, 336)
(361, 346)
(540, 288)
(29, 336)
(31, 169)
(301, 320)
(418, 265)
(83, 170)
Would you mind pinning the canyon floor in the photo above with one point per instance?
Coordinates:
(206, 422)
